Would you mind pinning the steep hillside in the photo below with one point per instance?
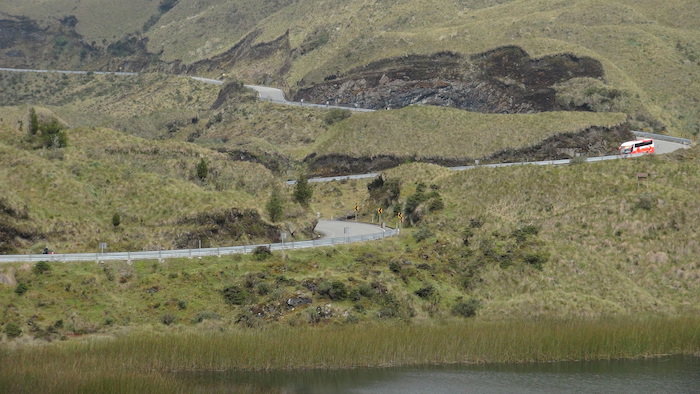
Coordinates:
(67, 198)
(649, 51)
(445, 136)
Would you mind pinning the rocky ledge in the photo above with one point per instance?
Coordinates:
(503, 80)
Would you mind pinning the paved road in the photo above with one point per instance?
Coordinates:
(334, 233)
(662, 147)
(268, 94)
(336, 228)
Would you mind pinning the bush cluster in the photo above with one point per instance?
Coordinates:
(41, 267)
(234, 295)
(334, 290)
(12, 330)
(466, 308)
(336, 115)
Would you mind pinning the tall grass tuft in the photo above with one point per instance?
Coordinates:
(144, 360)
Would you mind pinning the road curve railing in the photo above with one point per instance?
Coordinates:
(663, 137)
(494, 165)
(197, 253)
(312, 105)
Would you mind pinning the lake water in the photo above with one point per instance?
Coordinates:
(677, 374)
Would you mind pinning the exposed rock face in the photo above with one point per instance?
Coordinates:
(504, 80)
(217, 227)
(296, 301)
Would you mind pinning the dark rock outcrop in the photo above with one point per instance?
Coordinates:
(504, 80)
(222, 227)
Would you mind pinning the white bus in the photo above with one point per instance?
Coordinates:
(638, 146)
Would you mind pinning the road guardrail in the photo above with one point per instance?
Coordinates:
(663, 137)
(192, 253)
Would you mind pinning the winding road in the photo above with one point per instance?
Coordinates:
(334, 232)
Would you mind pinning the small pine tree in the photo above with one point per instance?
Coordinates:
(202, 170)
(275, 206)
(33, 122)
(116, 219)
(303, 191)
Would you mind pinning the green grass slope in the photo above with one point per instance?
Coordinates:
(434, 132)
(71, 194)
(97, 19)
(650, 50)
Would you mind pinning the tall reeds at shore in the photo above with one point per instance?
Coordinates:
(143, 361)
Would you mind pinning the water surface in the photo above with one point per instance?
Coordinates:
(677, 374)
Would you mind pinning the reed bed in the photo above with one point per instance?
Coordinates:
(145, 360)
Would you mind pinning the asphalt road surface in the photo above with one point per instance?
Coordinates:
(335, 228)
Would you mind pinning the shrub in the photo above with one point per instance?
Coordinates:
(336, 115)
(205, 315)
(264, 288)
(168, 319)
(425, 292)
(234, 295)
(475, 223)
(537, 259)
(21, 288)
(436, 204)
(314, 316)
(354, 295)
(385, 192)
(389, 306)
(182, 304)
(365, 290)
(261, 253)
(422, 234)
(394, 267)
(116, 219)
(467, 235)
(466, 308)
(12, 330)
(52, 135)
(338, 291)
(646, 201)
(335, 290)
(523, 233)
(41, 267)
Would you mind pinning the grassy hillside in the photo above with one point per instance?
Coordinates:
(70, 195)
(97, 20)
(650, 50)
(531, 242)
(434, 132)
(635, 41)
(161, 107)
